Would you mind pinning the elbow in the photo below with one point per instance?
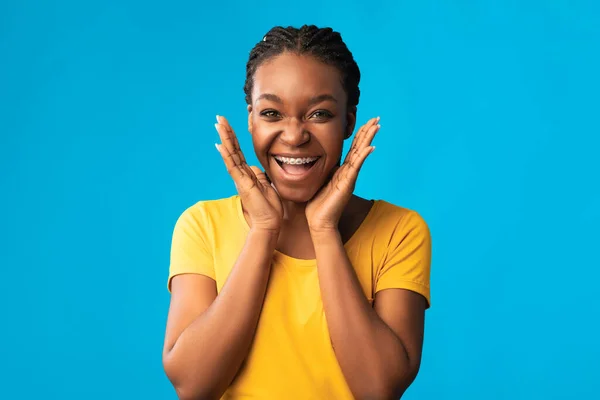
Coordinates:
(187, 394)
(183, 394)
(390, 386)
(193, 392)
(401, 382)
(186, 386)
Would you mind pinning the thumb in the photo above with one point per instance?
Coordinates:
(260, 175)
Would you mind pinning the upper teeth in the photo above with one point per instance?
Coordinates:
(287, 160)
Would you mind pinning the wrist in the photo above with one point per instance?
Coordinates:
(323, 226)
(323, 234)
(264, 233)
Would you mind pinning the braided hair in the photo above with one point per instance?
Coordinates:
(324, 44)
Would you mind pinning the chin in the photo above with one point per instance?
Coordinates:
(296, 195)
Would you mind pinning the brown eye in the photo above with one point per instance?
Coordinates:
(270, 114)
(321, 114)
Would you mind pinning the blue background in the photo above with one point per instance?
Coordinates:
(489, 114)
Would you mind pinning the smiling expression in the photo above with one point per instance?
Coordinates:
(298, 119)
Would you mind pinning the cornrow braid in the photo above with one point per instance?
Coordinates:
(324, 44)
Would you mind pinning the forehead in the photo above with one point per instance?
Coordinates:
(295, 77)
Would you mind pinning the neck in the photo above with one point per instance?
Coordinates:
(294, 215)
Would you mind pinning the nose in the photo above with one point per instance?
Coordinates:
(294, 133)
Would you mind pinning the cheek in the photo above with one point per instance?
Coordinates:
(336, 155)
(261, 140)
(333, 143)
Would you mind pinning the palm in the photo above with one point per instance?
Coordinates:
(337, 191)
(325, 209)
(269, 193)
(259, 198)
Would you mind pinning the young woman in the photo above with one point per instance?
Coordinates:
(295, 288)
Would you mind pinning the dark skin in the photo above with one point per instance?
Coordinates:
(298, 110)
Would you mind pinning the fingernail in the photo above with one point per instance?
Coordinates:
(217, 147)
(372, 149)
(217, 118)
(217, 126)
(378, 118)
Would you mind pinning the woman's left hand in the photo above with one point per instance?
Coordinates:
(323, 211)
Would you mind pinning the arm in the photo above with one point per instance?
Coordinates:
(379, 350)
(208, 336)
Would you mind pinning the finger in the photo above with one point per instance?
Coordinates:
(359, 138)
(365, 141)
(368, 134)
(232, 136)
(363, 129)
(235, 170)
(227, 142)
(241, 174)
(355, 166)
(260, 175)
(227, 126)
(234, 147)
(351, 169)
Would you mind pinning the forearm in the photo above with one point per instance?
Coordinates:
(209, 352)
(371, 356)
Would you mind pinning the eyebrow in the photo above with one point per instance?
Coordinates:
(312, 101)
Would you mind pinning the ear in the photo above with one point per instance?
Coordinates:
(350, 122)
(249, 118)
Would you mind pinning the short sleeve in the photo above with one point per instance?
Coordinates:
(407, 263)
(190, 251)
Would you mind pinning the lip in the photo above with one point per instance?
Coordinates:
(289, 155)
(294, 177)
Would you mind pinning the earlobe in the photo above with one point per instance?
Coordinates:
(350, 122)
(249, 119)
(349, 130)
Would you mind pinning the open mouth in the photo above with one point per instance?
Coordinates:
(296, 167)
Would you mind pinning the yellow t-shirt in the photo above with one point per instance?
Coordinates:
(291, 356)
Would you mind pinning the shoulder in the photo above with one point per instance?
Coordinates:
(211, 208)
(205, 213)
(398, 218)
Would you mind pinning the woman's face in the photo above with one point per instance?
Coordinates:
(298, 120)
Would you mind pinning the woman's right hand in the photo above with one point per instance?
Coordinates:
(259, 199)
